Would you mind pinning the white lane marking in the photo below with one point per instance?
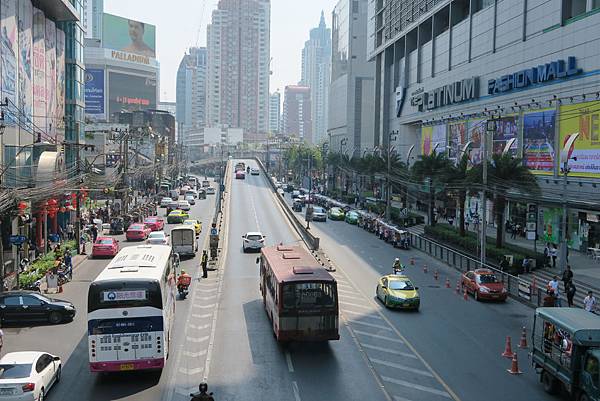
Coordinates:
(401, 367)
(361, 314)
(211, 306)
(208, 297)
(376, 326)
(288, 359)
(186, 391)
(426, 389)
(197, 340)
(343, 292)
(388, 350)
(296, 391)
(194, 354)
(254, 211)
(394, 340)
(190, 372)
(193, 326)
(205, 316)
(397, 398)
(357, 305)
(208, 290)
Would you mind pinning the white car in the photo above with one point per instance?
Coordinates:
(183, 205)
(210, 191)
(105, 228)
(28, 375)
(164, 202)
(254, 171)
(158, 238)
(192, 192)
(253, 241)
(190, 199)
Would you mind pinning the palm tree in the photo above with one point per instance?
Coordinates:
(505, 173)
(435, 168)
(457, 179)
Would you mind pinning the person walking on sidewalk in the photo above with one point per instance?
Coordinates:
(553, 255)
(204, 263)
(567, 276)
(69, 264)
(589, 302)
(570, 291)
(553, 290)
(547, 254)
(70, 231)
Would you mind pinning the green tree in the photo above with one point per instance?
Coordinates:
(435, 169)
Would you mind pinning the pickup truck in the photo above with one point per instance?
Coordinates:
(566, 351)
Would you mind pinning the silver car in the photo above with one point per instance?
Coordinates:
(319, 214)
(253, 241)
(190, 199)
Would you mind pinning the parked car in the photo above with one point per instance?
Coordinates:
(28, 375)
(177, 216)
(210, 191)
(484, 284)
(351, 217)
(335, 213)
(28, 306)
(155, 223)
(254, 171)
(190, 199)
(105, 246)
(319, 214)
(164, 202)
(195, 223)
(158, 238)
(253, 241)
(137, 232)
(397, 291)
(183, 205)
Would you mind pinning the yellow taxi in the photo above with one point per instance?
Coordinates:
(397, 291)
(196, 223)
(177, 216)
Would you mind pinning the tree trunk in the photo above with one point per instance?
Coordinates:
(499, 207)
(462, 198)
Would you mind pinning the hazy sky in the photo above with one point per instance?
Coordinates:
(182, 23)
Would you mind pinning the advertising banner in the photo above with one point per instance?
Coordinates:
(432, 136)
(94, 93)
(25, 67)
(39, 71)
(8, 61)
(474, 135)
(50, 78)
(457, 138)
(130, 92)
(128, 35)
(60, 84)
(506, 129)
(552, 225)
(538, 141)
(585, 119)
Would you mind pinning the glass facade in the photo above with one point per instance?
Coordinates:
(340, 39)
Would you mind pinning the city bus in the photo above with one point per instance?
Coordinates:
(193, 182)
(131, 308)
(299, 295)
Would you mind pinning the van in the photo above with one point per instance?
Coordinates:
(183, 240)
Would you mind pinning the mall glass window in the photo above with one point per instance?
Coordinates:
(479, 5)
(574, 8)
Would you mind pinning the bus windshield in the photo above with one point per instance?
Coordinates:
(316, 295)
(124, 294)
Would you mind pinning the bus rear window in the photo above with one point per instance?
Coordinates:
(126, 325)
(124, 294)
(309, 295)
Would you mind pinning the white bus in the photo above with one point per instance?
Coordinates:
(193, 182)
(131, 308)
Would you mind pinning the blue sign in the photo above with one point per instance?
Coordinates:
(94, 91)
(214, 231)
(17, 239)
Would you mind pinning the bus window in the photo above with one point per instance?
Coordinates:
(307, 295)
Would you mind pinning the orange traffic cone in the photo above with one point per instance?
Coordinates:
(465, 295)
(514, 366)
(523, 342)
(425, 269)
(508, 349)
(447, 282)
(458, 287)
(435, 275)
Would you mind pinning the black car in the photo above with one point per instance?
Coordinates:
(21, 306)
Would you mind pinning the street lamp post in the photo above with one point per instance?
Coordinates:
(565, 170)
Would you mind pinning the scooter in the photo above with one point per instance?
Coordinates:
(203, 394)
(183, 290)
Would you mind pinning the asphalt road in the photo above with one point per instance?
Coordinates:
(460, 340)
(69, 340)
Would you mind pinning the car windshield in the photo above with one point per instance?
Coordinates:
(150, 221)
(136, 227)
(487, 278)
(318, 210)
(156, 235)
(16, 371)
(401, 285)
(254, 237)
(104, 241)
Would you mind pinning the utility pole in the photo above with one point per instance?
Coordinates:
(78, 205)
(388, 191)
(490, 130)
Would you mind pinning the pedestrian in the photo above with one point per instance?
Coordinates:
(451, 220)
(204, 263)
(570, 290)
(69, 263)
(589, 302)
(553, 255)
(82, 241)
(567, 276)
(1, 339)
(70, 231)
(526, 264)
(513, 230)
(553, 289)
(547, 255)
(94, 233)
(504, 265)
(467, 224)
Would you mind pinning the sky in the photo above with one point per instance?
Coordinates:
(182, 23)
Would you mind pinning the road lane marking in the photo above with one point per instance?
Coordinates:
(398, 398)
(190, 372)
(208, 290)
(193, 326)
(376, 326)
(401, 367)
(288, 359)
(204, 306)
(364, 333)
(388, 351)
(197, 339)
(426, 389)
(198, 316)
(357, 305)
(194, 354)
(208, 297)
(362, 314)
(296, 391)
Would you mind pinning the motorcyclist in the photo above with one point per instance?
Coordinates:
(183, 281)
(203, 394)
(398, 267)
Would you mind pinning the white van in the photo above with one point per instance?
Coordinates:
(183, 240)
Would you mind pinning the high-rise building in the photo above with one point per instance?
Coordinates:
(316, 73)
(238, 40)
(350, 117)
(275, 112)
(297, 119)
(191, 91)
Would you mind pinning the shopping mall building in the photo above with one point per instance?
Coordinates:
(443, 68)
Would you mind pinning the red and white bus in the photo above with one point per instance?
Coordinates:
(299, 295)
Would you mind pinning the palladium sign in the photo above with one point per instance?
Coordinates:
(456, 92)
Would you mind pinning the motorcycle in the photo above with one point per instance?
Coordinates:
(183, 290)
(35, 286)
(203, 394)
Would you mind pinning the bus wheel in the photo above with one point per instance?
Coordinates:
(549, 382)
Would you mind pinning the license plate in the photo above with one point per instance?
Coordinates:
(495, 295)
(6, 391)
(126, 366)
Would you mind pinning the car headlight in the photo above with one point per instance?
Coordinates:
(69, 307)
(484, 290)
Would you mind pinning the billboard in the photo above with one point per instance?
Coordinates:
(60, 84)
(475, 131)
(506, 129)
(457, 138)
(130, 92)
(8, 61)
(585, 119)
(432, 136)
(50, 78)
(94, 93)
(25, 66)
(538, 141)
(128, 35)
(39, 71)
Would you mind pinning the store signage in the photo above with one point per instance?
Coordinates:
(17, 239)
(400, 91)
(134, 58)
(536, 75)
(456, 92)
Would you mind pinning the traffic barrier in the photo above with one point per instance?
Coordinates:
(458, 286)
(435, 275)
(425, 269)
(447, 282)
(514, 366)
(523, 342)
(508, 349)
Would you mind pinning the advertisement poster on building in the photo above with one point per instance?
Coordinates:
(94, 93)
(130, 92)
(506, 129)
(538, 141)
(433, 137)
(50, 78)
(457, 137)
(474, 135)
(128, 35)
(8, 61)
(552, 225)
(25, 67)
(60, 84)
(39, 70)
(585, 119)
